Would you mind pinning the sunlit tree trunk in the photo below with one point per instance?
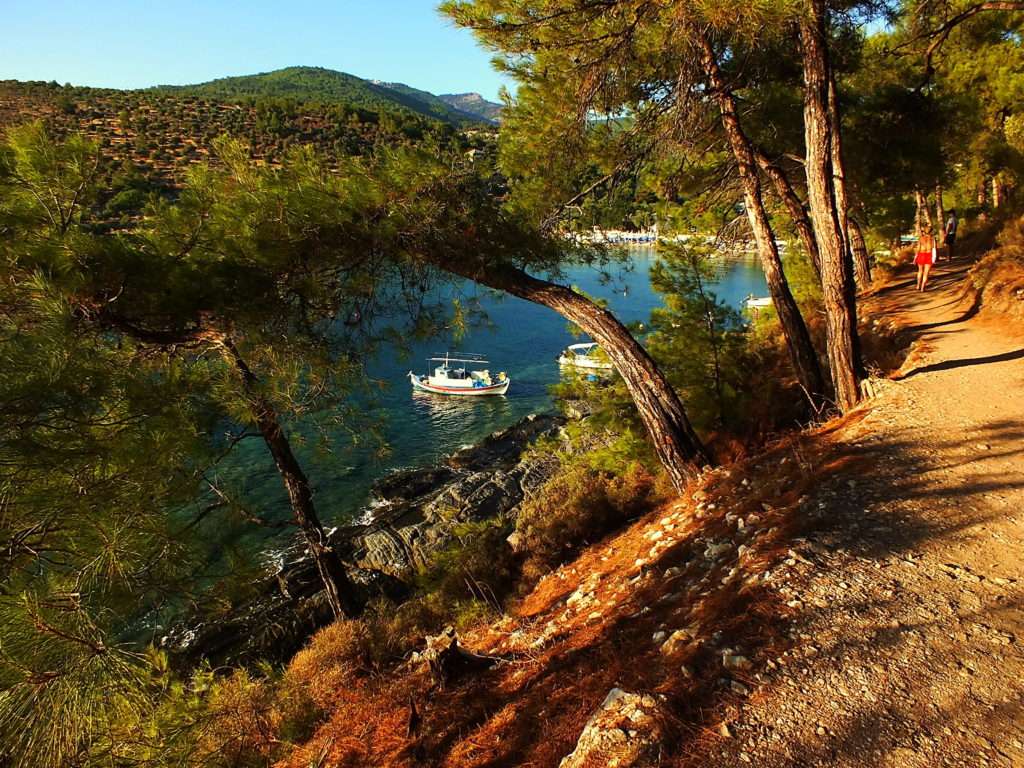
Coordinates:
(798, 341)
(837, 286)
(674, 440)
(838, 169)
(940, 208)
(861, 258)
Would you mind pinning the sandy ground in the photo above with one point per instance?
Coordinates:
(908, 644)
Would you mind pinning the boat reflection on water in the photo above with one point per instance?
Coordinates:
(454, 415)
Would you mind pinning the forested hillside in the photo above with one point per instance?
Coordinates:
(327, 86)
(153, 137)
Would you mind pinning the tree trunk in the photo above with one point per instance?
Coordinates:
(982, 198)
(924, 213)
(794, 206)
(940, 208)
(337, 585)
(838, 169)
(798, 340)
(997, 192)
(837, 287)
(675, 442)
(861, 258)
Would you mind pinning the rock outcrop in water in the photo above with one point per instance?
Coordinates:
(412, 517)
(417, 509)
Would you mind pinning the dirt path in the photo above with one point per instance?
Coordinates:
(909, 643)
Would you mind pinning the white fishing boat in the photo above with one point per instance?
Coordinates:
(449, 378)
(587, 355)
(756, 303)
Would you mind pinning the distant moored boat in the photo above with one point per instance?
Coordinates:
(586, 355)
(755, 303)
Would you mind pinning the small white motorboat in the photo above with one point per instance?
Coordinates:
(587, 355)
(448, 379)
(755, 303)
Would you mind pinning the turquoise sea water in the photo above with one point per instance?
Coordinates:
(521, 338)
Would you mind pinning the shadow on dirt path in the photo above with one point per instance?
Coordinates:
(908, 646)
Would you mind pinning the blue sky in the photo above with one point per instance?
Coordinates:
(138, 43)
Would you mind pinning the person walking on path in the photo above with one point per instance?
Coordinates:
(950, 233)
(925, 258)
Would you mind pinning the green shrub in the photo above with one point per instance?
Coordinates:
(477, 565)
(127, 201)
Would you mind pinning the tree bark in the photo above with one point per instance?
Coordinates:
(861, 258)
(838, 169)
(924, 213)
(794, 206)
(940, 208)
(338, 587)
(838, 291)
(798, 341)
(982, 198)
(675, 442)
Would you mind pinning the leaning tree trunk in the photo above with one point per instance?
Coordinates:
(837, 287)
(861, 259)
(338, 587)
(794, 206)
(798, 340)
(675, 442)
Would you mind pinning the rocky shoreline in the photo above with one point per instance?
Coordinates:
(411, 517)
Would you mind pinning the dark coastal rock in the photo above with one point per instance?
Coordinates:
(504, 447)
(274, 625)
(486, 482)
(406, 484)
(413, 516)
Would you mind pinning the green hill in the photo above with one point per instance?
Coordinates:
(330, 87)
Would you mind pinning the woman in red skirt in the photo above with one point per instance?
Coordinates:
(925, 257)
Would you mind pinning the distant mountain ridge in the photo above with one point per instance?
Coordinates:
(474, 104)
(331, 86)
(435, 104)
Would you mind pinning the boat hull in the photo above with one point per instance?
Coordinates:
(580, 361)
(419, 385)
